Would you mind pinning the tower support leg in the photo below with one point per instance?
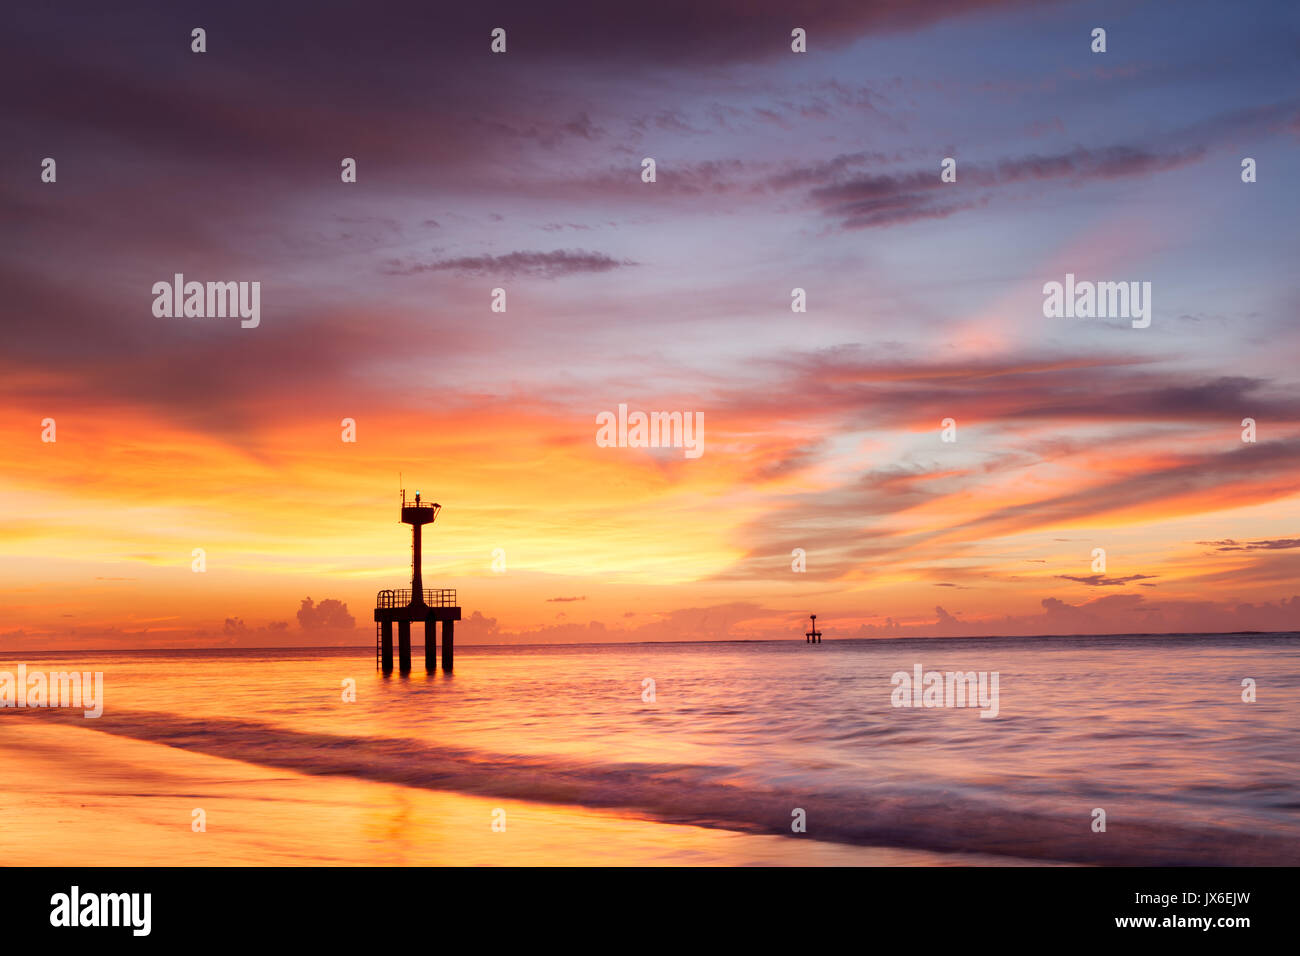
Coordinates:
(387, 633)
(404, 646)
(430, 645)
(448, 640)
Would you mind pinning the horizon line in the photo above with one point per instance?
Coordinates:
(771, 640)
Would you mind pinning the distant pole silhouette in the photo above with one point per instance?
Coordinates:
(813, 636)
(405, 607)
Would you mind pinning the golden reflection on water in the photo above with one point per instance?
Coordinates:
(73, 796)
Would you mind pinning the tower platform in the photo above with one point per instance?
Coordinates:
(403, 607)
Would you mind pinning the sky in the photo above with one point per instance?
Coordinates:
(774, 170)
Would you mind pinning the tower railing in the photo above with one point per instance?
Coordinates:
(433, 597)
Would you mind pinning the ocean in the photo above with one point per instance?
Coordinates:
(792, 752)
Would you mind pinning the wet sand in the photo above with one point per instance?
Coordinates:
(74, 796)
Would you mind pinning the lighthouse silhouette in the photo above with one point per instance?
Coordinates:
(417, 604)
(813, 636)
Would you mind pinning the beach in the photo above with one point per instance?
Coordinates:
(554, 756)
(76, 796)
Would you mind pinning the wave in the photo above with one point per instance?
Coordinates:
(941, 821)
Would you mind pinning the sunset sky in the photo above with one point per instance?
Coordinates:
(775, 170)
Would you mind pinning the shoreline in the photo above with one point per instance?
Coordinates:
(931, 823)
(72, 794)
